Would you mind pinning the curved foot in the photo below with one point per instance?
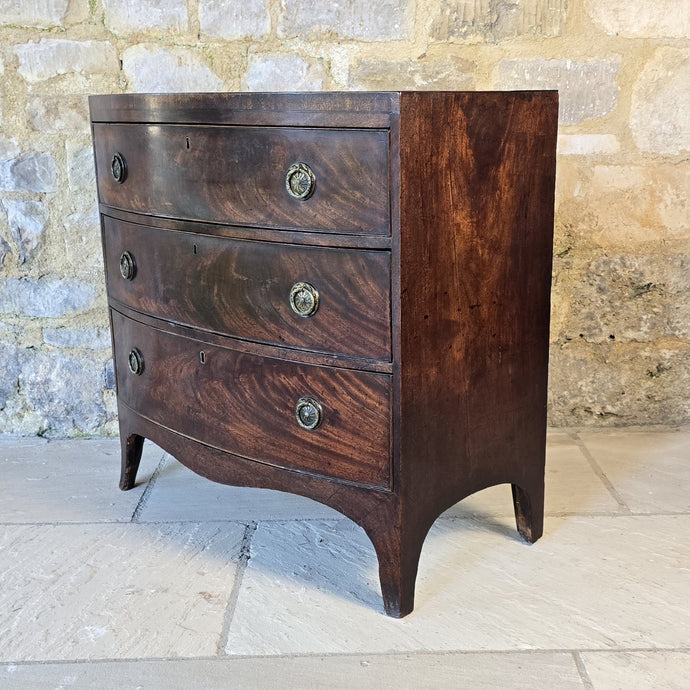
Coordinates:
(398, 554)
(529, 511)
(132, 447)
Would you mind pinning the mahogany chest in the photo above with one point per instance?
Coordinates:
(340, 295)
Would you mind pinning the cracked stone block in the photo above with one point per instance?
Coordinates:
(58, 114)
(27, 221)
(386, 20)
(282, 73)
(660, 110)
(126, 16)
(587, 90)
(161, 70)
(48, 296)
(496, 20)
(659, 19)
(626, 383)
(449, 73)
(634, 298)
(109, 375)
(89, 338)
(81, 170)
(30, 172)
(39, 13)
(9, 366)
(65, 391)
(51, 57)
(219, 19)
(5, 251)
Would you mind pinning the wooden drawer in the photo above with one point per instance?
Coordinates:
(243, 288)
(238, 175)
(246, 404)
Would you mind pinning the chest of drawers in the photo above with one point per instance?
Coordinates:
(343, 296)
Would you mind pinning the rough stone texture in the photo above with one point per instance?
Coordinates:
(386, 20)
(81, 171)
(109, 375)
(62, 393)
(126, 16)
(27, 221)
(51, 57)
(31, 172)
(58, 114)
(650, 381)
(48, 296)
(587, 144)
(622, 209)
(282, 73)
(478, 588)
(5, 251)
(219, 19)
(9, 366)
(100, 583)
(446, 74)
(619, 205)
(38, 13)
(642, 670)
(156, 70)
(586, 89)
(660, 111)
(496, 20)
(660, 19)
(634, 298)
(65, 337)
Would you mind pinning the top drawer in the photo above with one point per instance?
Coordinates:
(241, 175)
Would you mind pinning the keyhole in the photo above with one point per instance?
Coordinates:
(202, 357)
(195, 250)
(187, 138)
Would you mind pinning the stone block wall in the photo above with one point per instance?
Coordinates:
(621, 288)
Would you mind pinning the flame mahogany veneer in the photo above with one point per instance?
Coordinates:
(340, 295)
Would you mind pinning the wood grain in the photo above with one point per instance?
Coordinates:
(241, 288)
(245, 404)
(237, 175)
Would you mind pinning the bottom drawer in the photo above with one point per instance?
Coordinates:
(329, 421)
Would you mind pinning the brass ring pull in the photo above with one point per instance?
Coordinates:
(300, 181)
(309, 413)
(304, 299)
(136, 362)
(118, 168)
(127, 266)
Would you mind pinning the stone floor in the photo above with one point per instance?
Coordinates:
(182, 583)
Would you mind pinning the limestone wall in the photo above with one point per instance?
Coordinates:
(621, 297)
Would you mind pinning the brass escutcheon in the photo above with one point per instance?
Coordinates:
(118, 168)
(304, 299)
(309, 413)
(300, 181)
(127, 266)
(136, 361)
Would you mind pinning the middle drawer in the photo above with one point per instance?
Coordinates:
(317, 298)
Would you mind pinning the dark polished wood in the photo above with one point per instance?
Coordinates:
(242, 288)
(465, 282)
(237, 175)
(246, 404)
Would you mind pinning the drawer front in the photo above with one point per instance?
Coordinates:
(247, 289)
(239, 175)
(247, 405)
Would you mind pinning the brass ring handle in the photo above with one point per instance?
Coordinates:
(118, 168)
(309, 413)
(127, 266)
(136, 361)
(304, 299)
(300, 181)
